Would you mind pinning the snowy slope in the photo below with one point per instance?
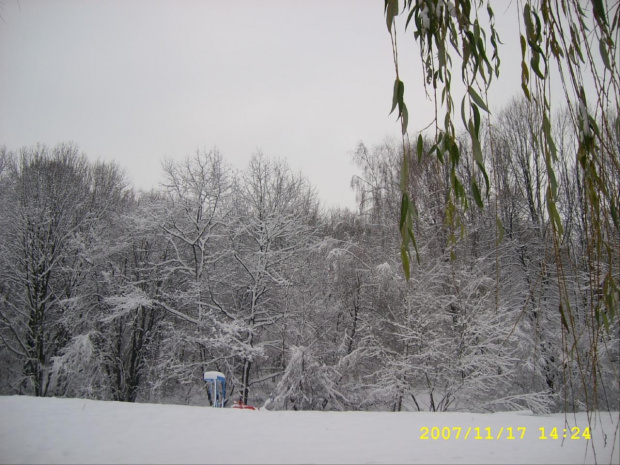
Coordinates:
(35, 430)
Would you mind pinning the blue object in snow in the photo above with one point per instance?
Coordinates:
(217, 384)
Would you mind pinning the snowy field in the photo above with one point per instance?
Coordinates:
(49, 430)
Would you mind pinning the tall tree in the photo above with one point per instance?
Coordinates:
(54, 204)
(193, 218)
(276, 213)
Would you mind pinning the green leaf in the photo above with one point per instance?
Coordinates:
(554, 215)
(476, 192)
(546, 126)
(500, 229)
(391, 11)
(476, 148)
(395, 95)
(476, 119)
(553, 182)
(405, 116)
(599, 12)
(404, 172)
(527, 18)
(455, 154)
(534, 64)
(525, 73)
(404, 258)
(564, 322)
(474, 95)
(441, 54)
(477, 151)
(459, 190)
(538, 26)
(439, 155)
(463, 111)
(398, 99)
(415, 245)
(526, 91)
(409, 18)
(447, 123)
(404, 209)
(420, 148)
(604, 55)
(485, 175)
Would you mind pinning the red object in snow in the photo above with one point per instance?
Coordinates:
(241, 405)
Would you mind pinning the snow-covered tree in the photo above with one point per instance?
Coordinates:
(192, 217)
(50, 212)
(275, 224)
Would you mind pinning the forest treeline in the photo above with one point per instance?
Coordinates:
(112, 294)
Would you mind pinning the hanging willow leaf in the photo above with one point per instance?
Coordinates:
(500, 229)
(535, 65)
(546, 126)
(599, 13)
(474, 108)
(525, 78)
(476, 192)
(523, 46)
(477, 151)
(404, 258)
(409, 18)
(404, 114)
(395, 97)
(404, 210)
(525, 74)
(415, 245)
(527, 19)
(455, 154)
(561, 33)
(404, 171)
(604, 55)
(554, 215)
(463, 111)
(420, 148)
(564, 322)
(391, 11)
(474, 95)
(553, 182)
(398, 99)
(476, 148)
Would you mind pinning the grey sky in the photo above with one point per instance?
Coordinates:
(137, 81)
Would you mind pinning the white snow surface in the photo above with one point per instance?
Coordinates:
(54, 430)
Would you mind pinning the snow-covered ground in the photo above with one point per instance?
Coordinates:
(50, 430)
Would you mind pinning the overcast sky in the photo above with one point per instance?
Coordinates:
(137, 81)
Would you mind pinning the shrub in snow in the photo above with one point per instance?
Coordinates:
(307, 384)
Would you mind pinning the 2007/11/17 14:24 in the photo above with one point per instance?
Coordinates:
(457, 432)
